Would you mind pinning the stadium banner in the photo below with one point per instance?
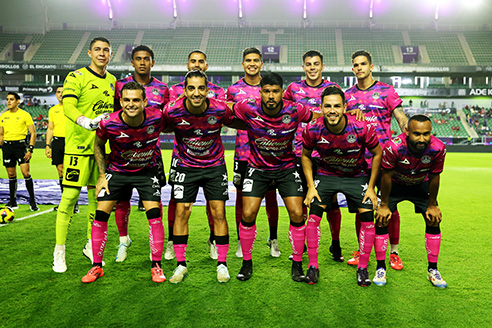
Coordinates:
(19, 49)
(27, 89)
(410, 54)
(271, 54)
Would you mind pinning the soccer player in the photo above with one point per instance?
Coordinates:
(88, 95)
(14, 124)
(247, 87)
(197, 60)
(198, 157)
(55, 137)
(341, 142)
(157, 95)
(133, 135)
(271, 125)
(412, 164)
(379, 102)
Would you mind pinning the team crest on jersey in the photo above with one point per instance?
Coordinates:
(172, 104)
(426, 159)
(211, 94)
(351, 138)
(397, 141)
(155, 92)
(286, 119)
(212, 120)
(137, 144)
(375, 95)
(150, 129)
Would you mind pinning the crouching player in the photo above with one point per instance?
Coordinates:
(341, 142)
(411, 165)
(132, 133)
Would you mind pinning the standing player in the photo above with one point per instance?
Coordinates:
(157, 95)
(379, 102)
(14, 125)
(197, 60)
(199, 162)
(308, 92)
(133, 135)
(88, 95)
(55, 137)
(271, 125)
(248, 87)
(341, 142)
(412, 164)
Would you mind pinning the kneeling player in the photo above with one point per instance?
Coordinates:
(132, 134)
(411, 165)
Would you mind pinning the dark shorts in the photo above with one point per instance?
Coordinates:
(257, 182)
(121, 185)
(160, 169)
(13, 153)
(57, 150)
(239, 173)
(351, 187)
(301, 171)
(187, 181)
(418, 195)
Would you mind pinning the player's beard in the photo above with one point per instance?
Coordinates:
(418, 147)
(269, 106)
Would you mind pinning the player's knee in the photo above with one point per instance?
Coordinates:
(153, 213)
(249, 215)
(102, 216)
(382, 230)
(367, 216)
(296, 215)
(70, 194)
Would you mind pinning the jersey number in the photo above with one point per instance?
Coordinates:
(180, 177)
(74, 161)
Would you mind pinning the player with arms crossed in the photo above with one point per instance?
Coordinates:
(248, 87)
(88, 95)
(412, 164)
(341, 142)
(157, 95)
(271, 125)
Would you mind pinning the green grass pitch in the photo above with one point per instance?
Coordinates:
(32, 295)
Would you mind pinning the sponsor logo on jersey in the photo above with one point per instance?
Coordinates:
(351, 98)
(241, 92)
(213, 131)
(94, 86)
(301, 91)
(71, 75)
(257, 118)
(323, 140)
(123, 135)
(405, 161)
(72, 175)
(288, 131)
(183, 122)
(78, 72)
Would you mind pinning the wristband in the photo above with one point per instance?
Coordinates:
(48, 146)
(31, 148)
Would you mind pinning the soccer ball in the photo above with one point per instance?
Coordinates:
(6, 215)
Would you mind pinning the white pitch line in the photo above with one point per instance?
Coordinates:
(30, 216)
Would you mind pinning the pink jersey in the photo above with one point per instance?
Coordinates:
(132, 148)
(237, 92)
(377, 103)
(412, 169)
(341, 154)
(310, 97)
(157, 92)
(197, 141)
(271, 137)
(214, 91)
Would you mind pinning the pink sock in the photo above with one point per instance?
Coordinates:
(380, 246)
(394, 228)
(312, 239)
(121, 217)
(297, 236)
(180, 251)
(366, 240)
(156, 238)
(271, 206)
(335, 219)
(247, 235)
(210, 218)
(222, 252)
(432, 245)
(99, 236)
(357, 226)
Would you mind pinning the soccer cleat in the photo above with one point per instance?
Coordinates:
(76, 208)
(213, 250)
(157, 274)
(297, 272)
(380, 277)
(435, 278)
(141, 208)
(93, 274)
(169, 254)
(59, 264)
(363, 277)
(87, 251)
(355, 258)
(12, 204)
(246, 271)
(178, 275)
(223, 273)
(55, 208)
(123, 250)
(239, 250)
(395, 262)
(336, 255)
(34, 207)
(274, 250)
(312, 275)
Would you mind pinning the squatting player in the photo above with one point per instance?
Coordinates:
(271, 125)
(88, 95)
(341, 142)
(133, 134)
(157, 95)
(197, 60)
(412, 164)
(247, 87)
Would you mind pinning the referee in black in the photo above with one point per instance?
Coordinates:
(14, 124)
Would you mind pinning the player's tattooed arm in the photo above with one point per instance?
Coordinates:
(383, 214)
(401, 118)
(100, 155)
(433, 213)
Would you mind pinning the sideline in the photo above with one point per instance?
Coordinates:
(29, 216)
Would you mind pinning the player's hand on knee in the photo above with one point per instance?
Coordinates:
(310, 195)
(433, 215)
(370, 194)
(102, 186)
(383, 215)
